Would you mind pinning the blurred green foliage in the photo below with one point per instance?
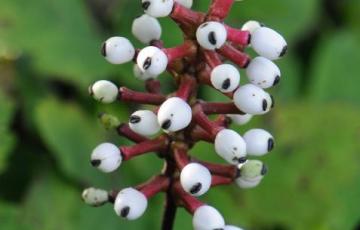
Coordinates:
(48, 124)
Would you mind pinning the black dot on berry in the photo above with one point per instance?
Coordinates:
(147, 63)
(212, 38)
(103, 49)
(134, 119)
(226, 84)
(277, 80)
(125, 211)
(264, 105)
(145, 5)
(271, 144)
(196, 188)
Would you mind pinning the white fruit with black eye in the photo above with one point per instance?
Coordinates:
(258, 142)
(174, 114)
(230, 227)
(207, 218)
(268, 43)
(130, 204)
(225, 78)
(118, 50)
(158, 8)
(186, 3)
(146, 29)
(240, 119)
(104, 91)
(141, 75)
(253, 100)
(95, 197)
(263, 72)
(251, 174)
(230, 146)
(106, 157)
(211, 35)
(195, 179)
(251, 26)
(152, 61)
(144, 122)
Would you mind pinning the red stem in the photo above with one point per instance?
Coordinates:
(128, 95)
(230, 171)
(124, 130)
(186, 87)
(220, 108)
(219, 9)
(212, 58)
(155, 145)
(198, 134)
(153, 86)
(239, 37)
(188, 48)
(219, 180)
(181, 157)
(186, 17)
(203, 121)
(154, 186)
(189, 202)
(236, 56)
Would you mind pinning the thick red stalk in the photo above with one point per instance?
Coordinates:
(203, 121)
(155, 145)
(187, 49)
(230, 171)
(239, 37)
(236, 56)
(212, 58)
(181, 157)
(199, 134)
(219, 180)
(186, 17)
(124, 130)
(128, 95)
(189, 202)
(153, 86)
(154, 186)
(186, 87)
(219, 9)
(220, 108)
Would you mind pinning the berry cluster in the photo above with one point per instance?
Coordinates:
(183, 118)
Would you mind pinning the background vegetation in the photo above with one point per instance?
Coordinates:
(49, 54)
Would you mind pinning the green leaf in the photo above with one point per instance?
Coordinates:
(335, 69)
(58, 35)
(7, 139)
(9, 216)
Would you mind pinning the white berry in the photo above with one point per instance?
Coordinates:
(268, 43)
(253, 100)
(186, 3)
(207, 218)
(144, 122)
(230, 146)
(195, 179)
(258, 142)
(230, 227)
(106, 157)
(95, 197)
(240, 119)
(130, 204)
(225, 78)
(118, 50)
(174, 114)
(141, 75)
(152, 61)
(211, 35)
(104, 91)
(158, 8)
(146, 29)
(251, 174)
(251, 26)
(263, 72)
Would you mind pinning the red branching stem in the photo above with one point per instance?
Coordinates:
(128, 95)
(181, 157)
(204, 122)
(239, 37)
(236, 56)
(186, 17)
(189, 202)
(153, 86)
(157, 43)
(230, 171)
(219, 180)
(155, 145)
(219, 9)
(220, 108)
(199, 134)
(186, 87)
(212, 58)
(125, 131)
(188, 48)
(154, 186)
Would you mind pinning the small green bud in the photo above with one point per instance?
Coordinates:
(109, 121)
